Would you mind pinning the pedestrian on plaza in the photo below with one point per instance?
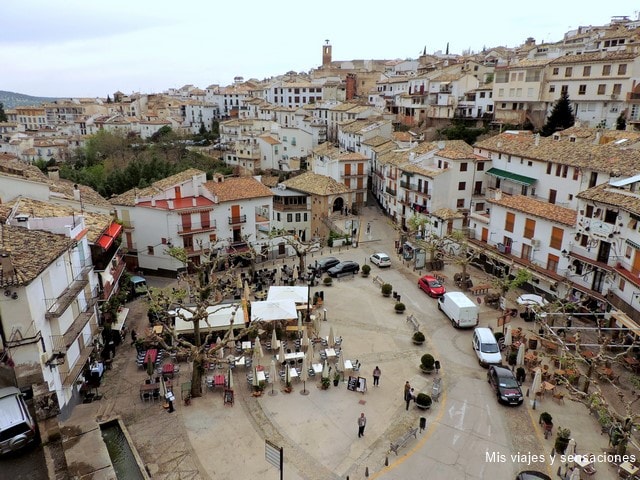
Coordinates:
(376, 376)
(362, 422)
(407, 389)
(134, 336)
(410, 396)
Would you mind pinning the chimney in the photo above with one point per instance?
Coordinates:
(497, 194)
(76, 192)
(153, 202)
(54, 173)
(597, 140)
(536, 139)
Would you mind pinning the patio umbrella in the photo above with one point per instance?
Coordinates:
(274, 340)
(309, 356)
(255, 382)
(312, 351)
(537, 382)
(221, 352)
(305, 338)
(304, 375)
(571, 448)
(150, 368)
(287, 375)
(281, 353)
(325, 370)
(299, 323)
(231, 337)
(507, 337)
(331, 337)
(257, 351)
(520, 358)
(229, 379)
(163, 388)
(575, 475)
(272, 376)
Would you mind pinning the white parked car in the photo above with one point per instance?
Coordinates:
(380, 259)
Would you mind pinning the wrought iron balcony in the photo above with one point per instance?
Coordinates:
(237, 220)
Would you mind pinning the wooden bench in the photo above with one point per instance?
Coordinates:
(550, 346)
(402, 441)
(480, 289)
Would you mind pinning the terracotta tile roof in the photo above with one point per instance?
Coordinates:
(30, 252)
(376, 141)
(351, 157)
(401, 136)
(394, 157)
(422, 170)
(270, 140)
(452, 149)
(315, 184)
(96, 223)
(537, 208)
(128, 198)
(238, 188)
(343, 107)
(614, 196)
(327, 149)
(447, 214)
(269, 180)
(596, 57)
(611, 158)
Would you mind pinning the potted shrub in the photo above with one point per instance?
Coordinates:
(325, 383)
(423, 401)
(399, 307)
(366, 269)
(336, 378)
(386, 290)
(328, 281)
(427, 363)
(418, 338)
(562, 440)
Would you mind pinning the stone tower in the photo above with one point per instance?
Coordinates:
(326, 54)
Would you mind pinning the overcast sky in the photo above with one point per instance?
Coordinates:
(86, 48)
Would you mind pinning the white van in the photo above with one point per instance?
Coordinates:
(459, 308)
(486, 347)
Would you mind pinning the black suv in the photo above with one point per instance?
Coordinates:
(342, 268)
(324, 264)
(505, 385)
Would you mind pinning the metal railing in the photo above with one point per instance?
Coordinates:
(238, 219)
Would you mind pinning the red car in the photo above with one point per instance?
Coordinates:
(431, 286)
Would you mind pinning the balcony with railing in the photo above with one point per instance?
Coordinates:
(237, 220)
(61, 343)
(353, 174)
(112, 280)
(198, 227)
(57, 306)
(391, 191)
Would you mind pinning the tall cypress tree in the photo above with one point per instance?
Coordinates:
(3, 116)
(561, 116)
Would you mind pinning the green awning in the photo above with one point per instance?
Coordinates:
(514, 177)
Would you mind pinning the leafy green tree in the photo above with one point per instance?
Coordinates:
(459, 131)
(621, 122)
(3, 116)
(561, 116)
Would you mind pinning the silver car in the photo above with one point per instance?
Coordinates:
(380, 259)
(17, 428)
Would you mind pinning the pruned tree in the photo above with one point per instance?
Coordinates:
(423, 237)
(300, 247)
(206, 287)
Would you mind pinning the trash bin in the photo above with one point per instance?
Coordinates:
(437, 365)
(423, 423)
(533, 343)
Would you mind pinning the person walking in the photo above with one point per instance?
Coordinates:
(376, 376)
(362, 422)
(407, 389)
(410, 396)
(134, 336)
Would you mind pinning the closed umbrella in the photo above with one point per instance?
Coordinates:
(305, 338)
(258, 354)
(507, 337)
(325, 370)
(312, 351)
(537, 382)
(274, 340)
(281, 353)
(331, 337)
(520, 358)
(299, 324)
(272, 376)
(575, 475)
(287, 375)
(221, 352)
(304, 375)
(571, 448)
(255, 382)
(231, 337)
(229, 379)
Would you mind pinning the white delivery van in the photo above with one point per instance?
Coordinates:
(459, 308)
(486, 347)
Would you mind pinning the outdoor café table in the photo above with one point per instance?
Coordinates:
(151, 356)
(348, 365)
(150, 387)
(548, 387)
(632, 363)
(261, 376)
(293, 356)
(331, 352)
(628, 468)
(218, 380)
(167, 369)
(293, 372)
(246, 345)
(239, 361)
(582, 461)
(317, 367)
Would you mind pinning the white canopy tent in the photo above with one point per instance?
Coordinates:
(269, 311)
(297, 294)
(219, 318)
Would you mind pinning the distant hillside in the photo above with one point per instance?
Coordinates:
(13, 99)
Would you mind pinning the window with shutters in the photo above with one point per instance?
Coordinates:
(529, 228)
(556, 238)
(552, 262)
(509, 222)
